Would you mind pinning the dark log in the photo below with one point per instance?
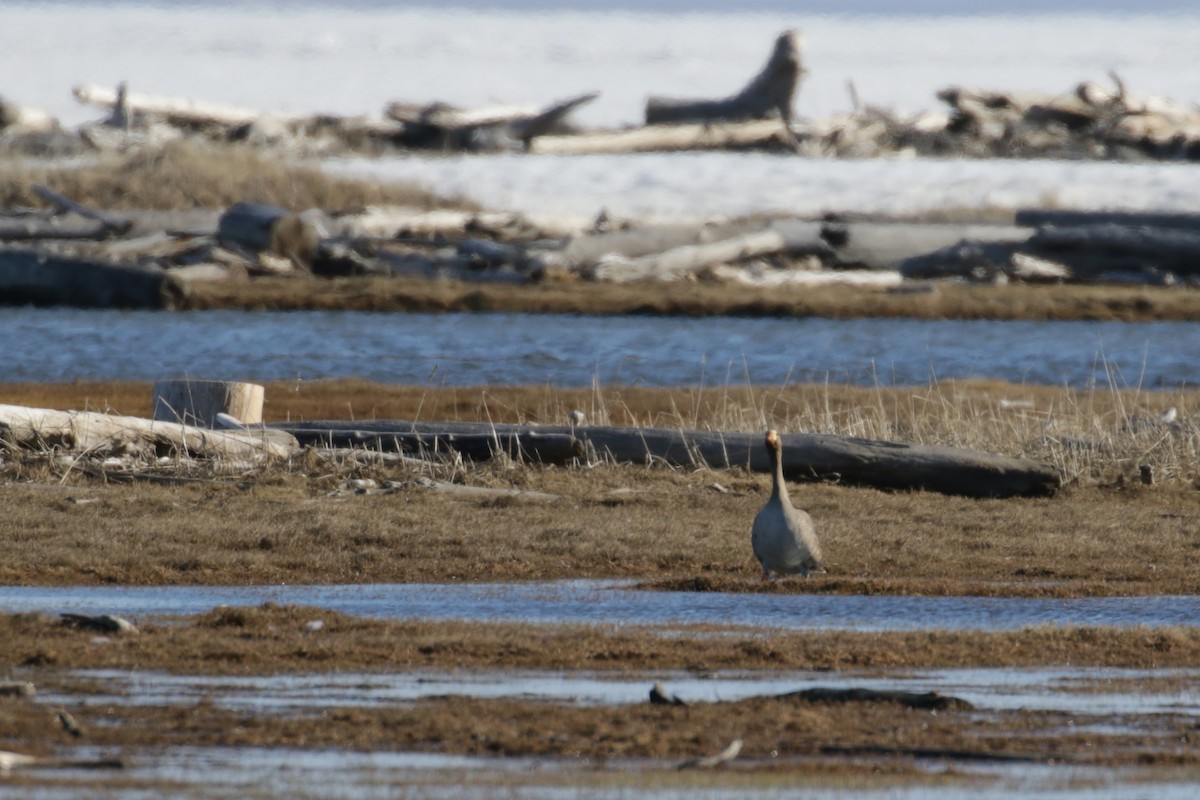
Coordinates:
(551, 120)
(885, 465)
(477, 444)
(1092, 250)
(501, 127)
(66, 204)
(974, 260)
(1038, 218)
(936, 752)
(257, 227)
(770, 92)
(931, 701)
(29, 277)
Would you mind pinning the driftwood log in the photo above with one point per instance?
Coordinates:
(758, 134)
(181, 111)
(87, 431)
(926, 701)
(500, 127)
(113, 224)
(887, 465)
(31, 277)
(22, 119)
(257, 227)
(200, 402)
(770, 92)
(885, 245)
(792, 237)
(1093, 250)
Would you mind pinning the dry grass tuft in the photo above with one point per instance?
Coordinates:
(191, 175)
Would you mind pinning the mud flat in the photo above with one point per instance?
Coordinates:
(278, 677)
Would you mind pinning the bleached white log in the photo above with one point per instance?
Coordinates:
(695, 136)
(392, 221)
(23, 119)
(177, 109)
(807, 277)
(440, 115)
(201, 402)
(681, 261)
(89, 431)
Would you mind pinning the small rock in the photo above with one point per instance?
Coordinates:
(104, 623)
(659, 696)
(17, 689)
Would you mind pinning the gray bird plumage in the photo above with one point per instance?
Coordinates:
(783, 537)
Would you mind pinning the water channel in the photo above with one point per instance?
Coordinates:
(605, 602)
(571, 350)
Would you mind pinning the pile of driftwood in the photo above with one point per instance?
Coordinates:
(220, 422)
(73, 255)
(1088, 122)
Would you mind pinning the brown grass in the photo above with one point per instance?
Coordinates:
(1105, 534)
(273, 639)
(1101, 435)
(190, 175)
(779, 733)
(700, 299)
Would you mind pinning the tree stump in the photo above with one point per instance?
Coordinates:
(258, 226)
(772, 90)
(198, 403)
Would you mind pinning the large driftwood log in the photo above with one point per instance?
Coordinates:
(37, 278)
(884, 245)
(1092, 250)
(199, 402)
(696, 136)
(782, 236)
(87, 431)
(1069, 218)
(176, 110)
(771, 91)
(257, 227)
(477, 443)
(498, 127)
(888, 465)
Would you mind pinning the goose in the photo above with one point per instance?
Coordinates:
(783, 537)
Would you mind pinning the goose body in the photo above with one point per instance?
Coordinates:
(783, 537)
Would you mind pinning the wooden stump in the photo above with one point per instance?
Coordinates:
(257, 227)
(199, 402)
(771, 91)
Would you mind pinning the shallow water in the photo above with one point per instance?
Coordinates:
(220, 772)
(607, 603)
(1083, 691)
(569, 350)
